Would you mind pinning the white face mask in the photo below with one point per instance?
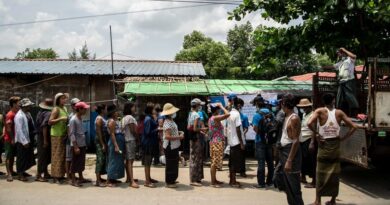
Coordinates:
(173, 115)
(302, 110)
(199, 108)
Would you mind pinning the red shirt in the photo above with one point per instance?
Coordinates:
(9, 119)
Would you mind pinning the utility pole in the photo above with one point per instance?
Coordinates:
(112, 65)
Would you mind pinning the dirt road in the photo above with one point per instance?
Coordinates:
(358, 187)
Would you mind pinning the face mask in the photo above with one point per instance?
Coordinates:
(302, 110)
(173, 115)
(273, 109)
(200, 109)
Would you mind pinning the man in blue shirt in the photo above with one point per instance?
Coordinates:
(263, 147)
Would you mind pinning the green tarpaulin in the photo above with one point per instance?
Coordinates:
(215, 87)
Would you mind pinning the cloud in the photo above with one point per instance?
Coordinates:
(146, 35)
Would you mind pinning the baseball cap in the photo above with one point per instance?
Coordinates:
(74, 101)
(197, 101)
(82, 105)
(26, 102)
(231, 96)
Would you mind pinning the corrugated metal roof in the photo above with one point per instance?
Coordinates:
(216, 87)
(102, 67)
(309, 76)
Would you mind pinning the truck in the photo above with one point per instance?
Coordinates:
(370, 146)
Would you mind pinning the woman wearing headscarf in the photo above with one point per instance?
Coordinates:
(58, 132)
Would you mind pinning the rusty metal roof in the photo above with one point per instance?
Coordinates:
(102, 67)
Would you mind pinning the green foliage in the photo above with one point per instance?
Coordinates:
(84, 54)
(37, 54)
(194, 39)
(361, 26)
(240, 43)
(73, 55)
(215, 56)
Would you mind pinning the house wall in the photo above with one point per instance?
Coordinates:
(86, 88)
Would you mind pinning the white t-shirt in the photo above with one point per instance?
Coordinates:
(232, 123)
(126, 121)
(346, 68)
(306, 132)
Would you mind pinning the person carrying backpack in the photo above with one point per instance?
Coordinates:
(265, 127)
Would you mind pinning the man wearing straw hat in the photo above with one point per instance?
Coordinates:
(44, 144)
(24, 133)
(307, 141)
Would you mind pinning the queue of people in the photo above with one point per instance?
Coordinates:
(61, 142)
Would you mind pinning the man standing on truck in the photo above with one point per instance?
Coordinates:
(329, 119)
(346, 93)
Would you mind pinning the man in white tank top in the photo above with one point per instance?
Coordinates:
(328, 120)
(288, 170)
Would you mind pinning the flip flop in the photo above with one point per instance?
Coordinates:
(216, 185)
(153, 181)
(76, 184)
(41, 180)
(135, 186)
(150, 185)
(100, 185)
(22, 179)
(235, 185)
(310, 186)
(84, 181)
(10, 179)
(110, 185)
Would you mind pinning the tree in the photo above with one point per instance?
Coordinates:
(37, 53)
(215, 56)
(269, 63)
(240, 43)
(73, 55)
(359, 25)
(83, 52)
(194, 39)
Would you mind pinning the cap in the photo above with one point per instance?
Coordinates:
(197, 101)
(26, 102)
(82, 105)
(74, 101)
(231, 96)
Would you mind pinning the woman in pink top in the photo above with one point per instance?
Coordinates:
(217, 140)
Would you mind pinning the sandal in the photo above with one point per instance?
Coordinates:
(236, 185)
(216, 185)
(76, 184)
(195, 184)
(310, 186)
(100, 184)
(153, 181)
(150, 185)
(84, 181)
(40, 179)
(135, 186)
(110, 185)
(10, 178)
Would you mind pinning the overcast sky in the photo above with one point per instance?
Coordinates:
(149, 35)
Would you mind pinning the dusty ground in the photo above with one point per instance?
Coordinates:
(358, 187)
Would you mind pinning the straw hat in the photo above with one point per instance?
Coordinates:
(58, 95)
(47, 104)
(169, 109)
(304, 103)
